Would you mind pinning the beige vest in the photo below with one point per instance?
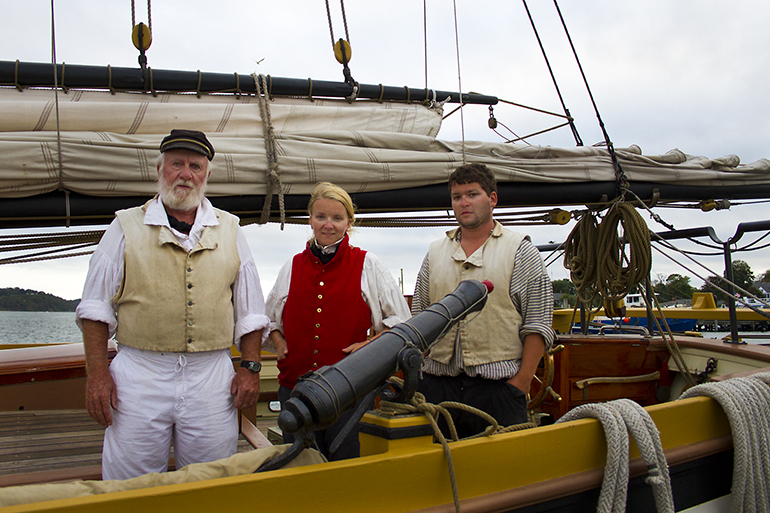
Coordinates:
(172, 300)
(493, 334)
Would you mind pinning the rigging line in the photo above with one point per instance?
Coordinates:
(425, 37)
(329, 16)
(713, 284)
(49, 252)
(459, 78)
(58, 126)
(622, 180)
(715, 275)
(149, 15)
(27, 260)
(344, 20)
(575, 134)
(748, 247)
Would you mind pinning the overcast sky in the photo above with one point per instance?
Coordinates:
(688, 74)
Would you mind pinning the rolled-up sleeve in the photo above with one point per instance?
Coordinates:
(532, 293)
(382, 294)
(248, 301)
(105, 274)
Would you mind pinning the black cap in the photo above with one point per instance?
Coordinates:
(188, 140)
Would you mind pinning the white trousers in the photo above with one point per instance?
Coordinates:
(184, 397)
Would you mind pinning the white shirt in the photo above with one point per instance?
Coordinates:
(105, 273)
(378, 288)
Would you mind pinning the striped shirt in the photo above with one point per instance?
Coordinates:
(532, 296)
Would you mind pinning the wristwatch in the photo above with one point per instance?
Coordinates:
(251, 366)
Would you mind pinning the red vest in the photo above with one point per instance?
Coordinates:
(324, 312)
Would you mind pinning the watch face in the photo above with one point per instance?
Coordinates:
(252, 366)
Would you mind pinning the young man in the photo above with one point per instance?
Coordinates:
(487, 360)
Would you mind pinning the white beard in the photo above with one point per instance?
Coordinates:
(179, 199)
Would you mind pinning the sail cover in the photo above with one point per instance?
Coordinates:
(104, 144)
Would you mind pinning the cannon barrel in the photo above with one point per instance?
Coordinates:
(319, 398)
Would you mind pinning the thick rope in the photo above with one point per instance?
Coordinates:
(273, 180)
(670, 340)
(580, 257)
(746, 402)
(615, 278)
(432, 412)
(618, 418)
(596, 256)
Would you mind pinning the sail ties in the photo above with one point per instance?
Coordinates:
(273, 180)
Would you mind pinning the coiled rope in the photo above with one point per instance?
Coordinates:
(596, 256)
(273, 180)
(432, 411)
(618, 418)
(746, 402)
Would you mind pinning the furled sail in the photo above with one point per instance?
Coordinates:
(103, 144)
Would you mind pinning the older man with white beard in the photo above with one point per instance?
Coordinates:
(175, 283)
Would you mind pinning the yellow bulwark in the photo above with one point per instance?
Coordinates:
(514, 469)
(703, 308)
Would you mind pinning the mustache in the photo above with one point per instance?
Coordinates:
(182, 181)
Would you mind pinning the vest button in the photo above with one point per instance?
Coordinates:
(189, 285)
(317, 325)
(189, 323)
(315, 365)
(189, 341)
(317, 337)
(466, 267)
(189, 269)
(320, 296)
(315, 351)
(319, 310)
(321, 284)
(189, 303)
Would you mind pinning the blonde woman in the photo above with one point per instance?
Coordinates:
(325, 301)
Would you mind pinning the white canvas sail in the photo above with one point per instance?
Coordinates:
(106, 145)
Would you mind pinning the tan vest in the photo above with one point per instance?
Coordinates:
(493, 334)
(172, 300)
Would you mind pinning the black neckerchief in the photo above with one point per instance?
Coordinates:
(325, 258)
(178, 225)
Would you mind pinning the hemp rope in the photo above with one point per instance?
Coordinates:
(746, 402)
(418, 405)
(618, 418)
(273, 180)
(597, 258)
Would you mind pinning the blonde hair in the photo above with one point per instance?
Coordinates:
(328, 190)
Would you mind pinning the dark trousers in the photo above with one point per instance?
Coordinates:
(349, 448)
(506, 403)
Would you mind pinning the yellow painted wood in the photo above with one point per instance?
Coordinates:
(372, 444)
(420, 474)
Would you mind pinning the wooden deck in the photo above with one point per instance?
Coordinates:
(61, 445)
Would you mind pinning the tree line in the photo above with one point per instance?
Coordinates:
(23, 300)
(677, 286)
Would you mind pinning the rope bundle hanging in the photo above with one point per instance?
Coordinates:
(597, 258)
(617, 272)
(580, 257)
(273, 180)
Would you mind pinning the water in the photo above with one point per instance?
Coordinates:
(59, 327)
(38, 328)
